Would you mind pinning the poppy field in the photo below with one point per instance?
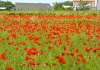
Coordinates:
(49, 42)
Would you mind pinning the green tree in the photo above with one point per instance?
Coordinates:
(58, 5)
(9, 5)
(68, 3)
(83, 6)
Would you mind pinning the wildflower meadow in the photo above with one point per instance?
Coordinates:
(49, 42)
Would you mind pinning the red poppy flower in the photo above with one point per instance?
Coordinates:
(67, 38)
(84, 61)
(38, 64)
(17, 49)
(23, 64)
(10, 43)
(9, 68)
(2, 56)
(94, 50)
(63, 53)
(80, 55)
(78, 59)
(32, 51)
(87, 50)
(46, 64)
(72, 55)
(64, 48)
(60, 41)
(31, 63)
(55, 42)
(53, 64)
(23, 43)
(98, 55)
(25, 49)
(98, 44)
(84, 43)
(41, 52)
(57, 57)
(49, 48)
(30, 37)
(13, 35)
(61, 60)
(27, 58)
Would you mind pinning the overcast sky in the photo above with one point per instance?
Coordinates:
(37, 1)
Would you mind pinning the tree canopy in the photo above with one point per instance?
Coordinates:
(83, 6)
(9, 5)
(58, 5)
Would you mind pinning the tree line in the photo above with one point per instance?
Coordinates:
(8, 4)
(57, 5)
(82, 5)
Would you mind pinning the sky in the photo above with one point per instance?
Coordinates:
(37, 1)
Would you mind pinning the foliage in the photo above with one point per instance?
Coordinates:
(58, 5)
(82, 6)
(50, 12)
(9, 5)
(68, 3)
